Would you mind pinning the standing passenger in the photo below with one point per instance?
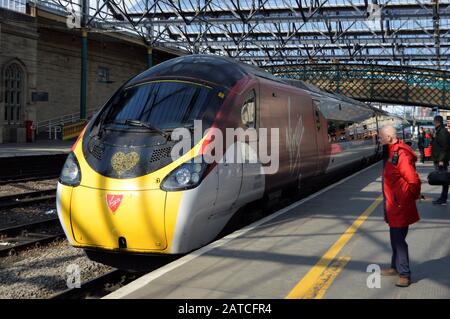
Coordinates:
(427, 144)
(441, 154)
(401, 188)
(420, 141)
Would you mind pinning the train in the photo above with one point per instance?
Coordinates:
(123, 190)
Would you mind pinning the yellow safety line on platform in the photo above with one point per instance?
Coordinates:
(325, 280)
(311, 285)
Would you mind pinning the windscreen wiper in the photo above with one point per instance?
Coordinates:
(148, 126)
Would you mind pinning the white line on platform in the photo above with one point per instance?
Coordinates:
(146, 279)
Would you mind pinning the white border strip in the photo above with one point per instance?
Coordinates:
(146, 279)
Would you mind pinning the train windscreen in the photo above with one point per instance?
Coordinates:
(164, 104)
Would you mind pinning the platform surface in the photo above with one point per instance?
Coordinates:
(308, 250)
(40, 147)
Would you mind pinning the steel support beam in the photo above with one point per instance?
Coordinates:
(260, 29)
(84, 44)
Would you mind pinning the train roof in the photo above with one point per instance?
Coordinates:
(211, 68)
(227, 71)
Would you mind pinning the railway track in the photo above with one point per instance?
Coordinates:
(22, 199)
(100, 286)
(17, 238)
(116, 278)
(28, 179)
(26, 168)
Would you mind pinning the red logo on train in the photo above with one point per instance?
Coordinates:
(113, 201)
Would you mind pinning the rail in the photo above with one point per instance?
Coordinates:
(54, 126)
(20, 237)
(28, 198)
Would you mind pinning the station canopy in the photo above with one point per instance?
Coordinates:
(280, 32)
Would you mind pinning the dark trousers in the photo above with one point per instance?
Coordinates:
(400, 257)
(422, 154)
(444, 193)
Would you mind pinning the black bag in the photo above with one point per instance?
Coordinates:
(439, 178)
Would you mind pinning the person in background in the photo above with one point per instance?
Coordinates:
(427, 144)
(401, 187)
(441, 154)
(420, 140)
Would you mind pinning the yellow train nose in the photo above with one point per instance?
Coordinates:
(129, 220)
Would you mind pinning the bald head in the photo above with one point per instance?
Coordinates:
(388, 135)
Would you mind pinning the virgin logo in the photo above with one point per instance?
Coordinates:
(113, 201)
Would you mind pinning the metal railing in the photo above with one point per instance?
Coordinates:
(375, 83)
(73, 130)
(54, 126)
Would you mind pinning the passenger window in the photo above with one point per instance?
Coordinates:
(248, 111)
(340, 131)
(332, 134)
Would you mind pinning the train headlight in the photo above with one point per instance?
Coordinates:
(186, 176)
(70, 174)
(183, 176)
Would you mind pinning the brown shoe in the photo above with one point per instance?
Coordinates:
(403, 282)
(389, 272)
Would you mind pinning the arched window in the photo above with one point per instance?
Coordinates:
(13, 78)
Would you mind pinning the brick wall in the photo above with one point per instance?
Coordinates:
(59, 63)
(18, 43)
(50, 54)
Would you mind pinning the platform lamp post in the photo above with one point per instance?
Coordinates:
(84, 32)
(149, 57)
(83, 88)
(148, 42)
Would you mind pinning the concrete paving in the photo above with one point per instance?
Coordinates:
(40, 147)
(268, 261)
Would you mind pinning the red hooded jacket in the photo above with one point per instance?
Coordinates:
(401, 186)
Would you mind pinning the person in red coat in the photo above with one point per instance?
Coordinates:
(401, 189)
(427, 141)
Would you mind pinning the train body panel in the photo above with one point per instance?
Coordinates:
(291, 114)
(63, 201)
(351, 133)
(132, 220)
(199, 217)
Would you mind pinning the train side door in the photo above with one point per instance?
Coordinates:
(235, 174)
(252, 186)
(321, 131)
(230, 179)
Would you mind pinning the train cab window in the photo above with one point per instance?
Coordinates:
(248, 111)
(165, 104)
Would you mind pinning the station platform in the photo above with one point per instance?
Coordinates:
(40, 147)
(319, 247)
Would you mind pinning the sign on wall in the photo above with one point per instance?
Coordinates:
(39, 96)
